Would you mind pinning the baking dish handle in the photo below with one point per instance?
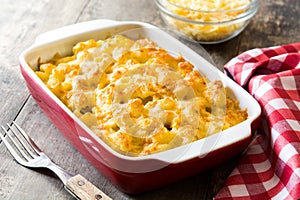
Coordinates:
(73, 29)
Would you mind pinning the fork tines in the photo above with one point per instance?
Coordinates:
(18, 143)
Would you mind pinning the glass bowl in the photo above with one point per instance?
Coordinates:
(206, 22)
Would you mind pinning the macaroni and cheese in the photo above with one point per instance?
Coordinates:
(206, 20)
(137, 97)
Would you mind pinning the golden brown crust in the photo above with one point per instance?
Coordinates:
(137, 97)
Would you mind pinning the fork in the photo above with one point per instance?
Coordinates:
(27, 153)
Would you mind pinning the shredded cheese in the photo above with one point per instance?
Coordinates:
(216, 11)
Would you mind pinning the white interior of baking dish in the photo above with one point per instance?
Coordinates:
(62, 40)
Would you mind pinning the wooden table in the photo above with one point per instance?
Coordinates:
(276, 23)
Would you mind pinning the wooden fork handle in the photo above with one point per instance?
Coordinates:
(85, 190)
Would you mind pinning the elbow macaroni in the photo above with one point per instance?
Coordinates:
(206, 11)
(137, 97)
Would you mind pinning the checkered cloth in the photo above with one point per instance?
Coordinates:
(270, 169)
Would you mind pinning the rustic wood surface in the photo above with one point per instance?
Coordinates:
(276, 23)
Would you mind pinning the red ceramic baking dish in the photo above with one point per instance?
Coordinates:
(143, 173)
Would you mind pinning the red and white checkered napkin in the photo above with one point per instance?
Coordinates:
(270, 169)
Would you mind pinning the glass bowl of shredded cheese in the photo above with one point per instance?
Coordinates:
(208, 21)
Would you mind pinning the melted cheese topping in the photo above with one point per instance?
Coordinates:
(137, 97)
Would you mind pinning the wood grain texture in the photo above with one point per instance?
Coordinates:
(85, 190)
(276, 23)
